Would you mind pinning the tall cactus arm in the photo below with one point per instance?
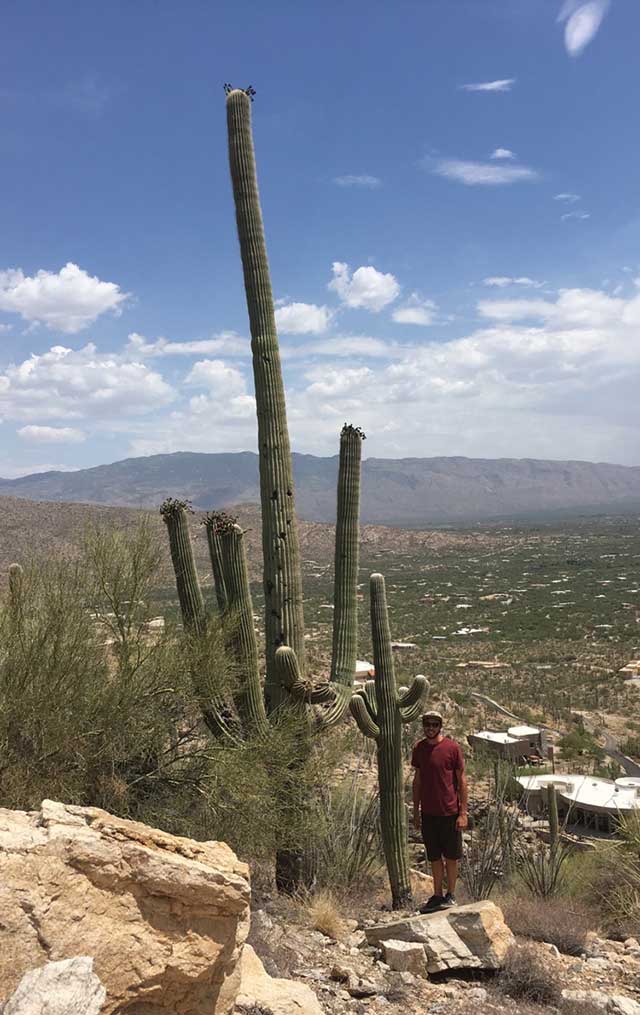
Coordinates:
(214, 523)
(174, 513)
(362, 716)
(284, 620)
(345, 614)
(416, 693)
(369, 692)
(248, 699)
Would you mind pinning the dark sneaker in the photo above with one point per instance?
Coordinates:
(433, 904)
(448, 901)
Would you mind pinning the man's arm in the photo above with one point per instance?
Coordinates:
(416, 799)
(463, 796)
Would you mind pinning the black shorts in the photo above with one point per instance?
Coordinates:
(441, 837)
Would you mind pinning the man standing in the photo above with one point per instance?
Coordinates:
(439, 806)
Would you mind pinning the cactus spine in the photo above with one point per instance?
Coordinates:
(380, 710)
(284, 620)
(174, 513)
(345, 616)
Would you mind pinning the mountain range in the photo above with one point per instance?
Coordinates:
(409, 492)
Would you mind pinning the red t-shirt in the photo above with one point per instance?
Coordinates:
(438, 765)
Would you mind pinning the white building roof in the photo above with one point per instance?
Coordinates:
(363, 668)
(587, 791)
(495, 738)
(523, 731)
(629, 780)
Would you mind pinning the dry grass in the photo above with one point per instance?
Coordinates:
(324, 913)
(529, 974)
(562, 922)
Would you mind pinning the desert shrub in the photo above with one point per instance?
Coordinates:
(540, 867)
(559, 921)
(348, 839)
(529, 974)
(489, 855)
(610, 876)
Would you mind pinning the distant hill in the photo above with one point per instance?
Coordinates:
(406, 492)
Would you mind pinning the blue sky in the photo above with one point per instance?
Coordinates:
(450, 192)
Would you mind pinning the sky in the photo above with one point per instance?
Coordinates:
(452, 210)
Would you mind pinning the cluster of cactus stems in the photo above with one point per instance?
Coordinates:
(380, 709)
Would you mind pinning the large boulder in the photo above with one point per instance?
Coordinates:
(464, 937)
(164, 917)
(260, 992)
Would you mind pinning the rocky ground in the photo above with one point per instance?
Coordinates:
(350, 976)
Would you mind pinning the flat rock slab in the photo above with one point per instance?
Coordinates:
(465, 937)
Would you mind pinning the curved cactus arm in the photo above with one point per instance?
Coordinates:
(360, 713)
(345, 598)
(340, 701)
(174, 514)
(411, 712)
(415, 693)
(282, 576)
(220, 725)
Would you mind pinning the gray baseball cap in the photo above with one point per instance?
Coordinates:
(432, 715)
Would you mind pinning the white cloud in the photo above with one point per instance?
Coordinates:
(545, 378)
(415, 311)
(227, 343)
(302, 319)
(357, 181)
(569, 198)
(71, 384)
(502, 153)
(502, 281)
(502, 85)
(219, 379)
(575, 215)
(52, 434)
(67, 301)
(583, 21)
(482, 173)
(367, 288)
(356, 346)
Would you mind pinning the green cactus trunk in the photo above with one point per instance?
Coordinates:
(345, 616)
(248, 700)
(284, 620)
(393, 812)
(174, 513)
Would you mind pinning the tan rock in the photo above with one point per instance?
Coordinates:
(259, 991)
(163, 917)
(69, 987)
(465, 937)
(405, 957)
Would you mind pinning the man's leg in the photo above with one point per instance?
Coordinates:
(452, 875)
(437, 869)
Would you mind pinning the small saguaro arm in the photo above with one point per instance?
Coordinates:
(175, 515)
(380, 709)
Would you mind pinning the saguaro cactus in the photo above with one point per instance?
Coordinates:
(214, 523)
(380, 710)
(282, 578)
